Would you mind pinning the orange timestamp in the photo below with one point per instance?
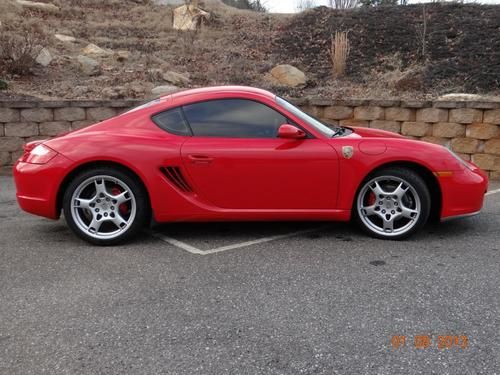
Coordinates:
(426, 341)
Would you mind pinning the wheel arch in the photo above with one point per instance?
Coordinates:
(425, 173)
(95, 164)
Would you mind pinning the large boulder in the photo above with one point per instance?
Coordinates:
(94, 50)
(33, 5)
(65, 38)
(176, 79)
(89, 66)
(44, 57)
(468, 97)
(164, 90)
(288, 75)
(189, 17)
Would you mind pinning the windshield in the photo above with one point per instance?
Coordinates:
(314, 122)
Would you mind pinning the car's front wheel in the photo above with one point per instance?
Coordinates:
(393, 204)
(105, 206)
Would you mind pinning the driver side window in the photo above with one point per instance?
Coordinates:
(233, 118)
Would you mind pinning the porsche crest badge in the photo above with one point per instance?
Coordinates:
(347, 151)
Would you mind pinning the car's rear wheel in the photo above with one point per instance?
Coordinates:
(392, 204)
(105, 206)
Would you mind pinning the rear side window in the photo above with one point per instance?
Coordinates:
(233, 118)
(172, 121)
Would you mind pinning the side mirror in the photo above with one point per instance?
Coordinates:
(290, 132)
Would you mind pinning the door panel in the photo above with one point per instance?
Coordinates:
(269, 173)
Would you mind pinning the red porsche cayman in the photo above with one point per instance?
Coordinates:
(239, 153)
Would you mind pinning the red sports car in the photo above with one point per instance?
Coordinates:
(239, 153)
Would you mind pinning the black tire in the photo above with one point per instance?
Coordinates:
(139, 196)
(418, 187)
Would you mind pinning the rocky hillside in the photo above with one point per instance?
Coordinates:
(128, 48)
(125, 48)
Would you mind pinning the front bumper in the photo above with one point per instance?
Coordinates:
(463, 193)
(37, 186)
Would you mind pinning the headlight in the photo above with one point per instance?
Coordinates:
(39, 155)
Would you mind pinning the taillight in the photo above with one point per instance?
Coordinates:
(39, 154)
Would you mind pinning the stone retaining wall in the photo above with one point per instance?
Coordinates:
(25, 121)
(472, 129)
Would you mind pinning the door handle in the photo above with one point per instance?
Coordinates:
(200, 159)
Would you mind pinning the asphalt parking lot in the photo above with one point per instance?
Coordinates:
(245, 298)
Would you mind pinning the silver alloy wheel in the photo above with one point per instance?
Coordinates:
(103, 207)
(389, 206)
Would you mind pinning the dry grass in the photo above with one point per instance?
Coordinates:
(394, 77)
(339, 53)
(233, 48)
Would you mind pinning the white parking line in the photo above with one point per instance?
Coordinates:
(195, 250)
(179, 244)
(493, 192)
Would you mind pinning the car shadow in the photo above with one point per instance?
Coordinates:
(214, 234)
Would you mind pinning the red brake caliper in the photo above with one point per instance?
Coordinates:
(115, 190)
(371, 199)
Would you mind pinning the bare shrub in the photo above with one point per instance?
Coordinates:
(421, 31)
(339, 53)
(20, 46)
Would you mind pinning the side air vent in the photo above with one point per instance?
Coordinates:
(174, 175)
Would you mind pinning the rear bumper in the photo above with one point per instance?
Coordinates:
(463, 193)
(37, 186)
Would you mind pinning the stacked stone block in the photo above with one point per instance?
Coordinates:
(471, 129)
(26, 121)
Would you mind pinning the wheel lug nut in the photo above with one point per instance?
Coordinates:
(98, 201)
(96, 210)
(105, 214)
(393, 212)
(383, 211)
(107, 199)
(381, 203)
(112, 208)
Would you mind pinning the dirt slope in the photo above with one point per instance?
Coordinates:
(462, 42)
(240, 47)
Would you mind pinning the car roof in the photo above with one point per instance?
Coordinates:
(222, 89)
